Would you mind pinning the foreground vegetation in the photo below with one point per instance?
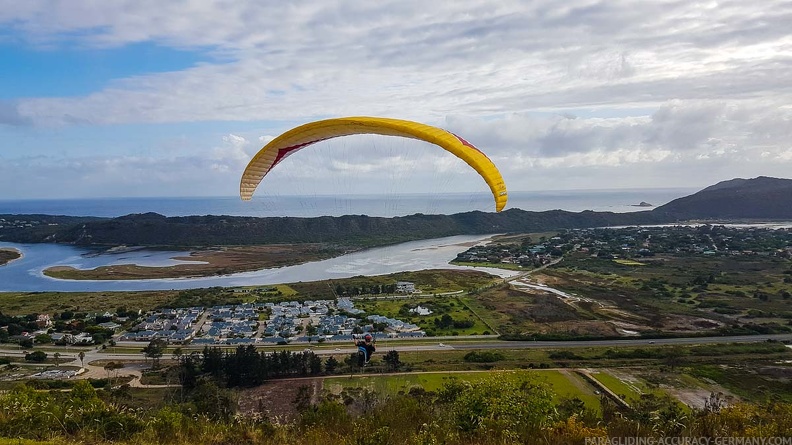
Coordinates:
(503, 408)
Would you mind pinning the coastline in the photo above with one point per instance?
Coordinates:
(18, 252)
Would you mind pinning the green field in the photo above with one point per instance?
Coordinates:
(428, 281)
(564, 384)
(451, 306)
(629, 263)
(772, 382)
(23, 303)
(626, 390)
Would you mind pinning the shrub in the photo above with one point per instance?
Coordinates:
(483, 356)
(36, 356)
(504, 404)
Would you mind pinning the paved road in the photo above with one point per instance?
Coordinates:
(440, 346)
(626, 342)
(134, 369)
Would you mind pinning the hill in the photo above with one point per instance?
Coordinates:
(757, 198)
(151, 229)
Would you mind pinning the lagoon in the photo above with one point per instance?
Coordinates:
(26, 274)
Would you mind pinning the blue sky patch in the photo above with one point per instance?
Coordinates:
(36, 72)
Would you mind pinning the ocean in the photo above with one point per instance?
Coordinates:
(620, 201)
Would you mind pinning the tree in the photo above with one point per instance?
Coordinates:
(177, 354)
(380, 327)
(392, 359)
(315, 364)
(81, 355)
(302, 401)
(57, 358)
(154, 350)
(330, 365)
(673, 357)
(213, 401)
(98, 338)
(37, 356)
(43, 338)
(113, 367)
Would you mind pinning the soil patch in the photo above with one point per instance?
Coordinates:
(277, 400)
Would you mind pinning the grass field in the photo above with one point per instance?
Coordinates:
(681, 292)
(23, 303)
(754, 383)
(440, 306)
(629, 263)
(626, 390)
(564, 384)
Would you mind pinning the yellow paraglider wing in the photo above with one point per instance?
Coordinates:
(311, 133)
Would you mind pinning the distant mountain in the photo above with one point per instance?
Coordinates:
(757, 198)
(151, 229)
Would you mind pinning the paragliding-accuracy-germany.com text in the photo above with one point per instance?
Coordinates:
(679, 440)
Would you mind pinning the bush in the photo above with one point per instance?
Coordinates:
(36, 356)
(564, 355)
(483, 356)
(503, 404)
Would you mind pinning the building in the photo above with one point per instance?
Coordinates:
(420, 310)
(405, 287)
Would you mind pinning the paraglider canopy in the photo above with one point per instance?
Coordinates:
(304, 135)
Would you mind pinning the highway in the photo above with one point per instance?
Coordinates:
(328, 349)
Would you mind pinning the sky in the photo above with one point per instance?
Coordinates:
(145, 98)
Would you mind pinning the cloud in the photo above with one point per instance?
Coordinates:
(559, 95)
(414, 59)
(9, 115)
(234, 148)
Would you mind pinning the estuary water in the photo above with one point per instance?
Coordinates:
(26, 274)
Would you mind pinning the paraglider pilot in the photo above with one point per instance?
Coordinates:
(365, 348)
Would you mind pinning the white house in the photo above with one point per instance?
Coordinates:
(405, 287)
(420, 310)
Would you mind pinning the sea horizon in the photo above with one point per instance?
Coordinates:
(385, 205)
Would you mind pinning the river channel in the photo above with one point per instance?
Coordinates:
(26, 274)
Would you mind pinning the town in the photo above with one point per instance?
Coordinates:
(635, 242)
(258, 323)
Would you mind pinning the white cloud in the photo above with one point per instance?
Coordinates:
(234, 149)
(559, 95)
(417, 59)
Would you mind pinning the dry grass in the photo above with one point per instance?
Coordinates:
(23, 303)
(218, 261)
